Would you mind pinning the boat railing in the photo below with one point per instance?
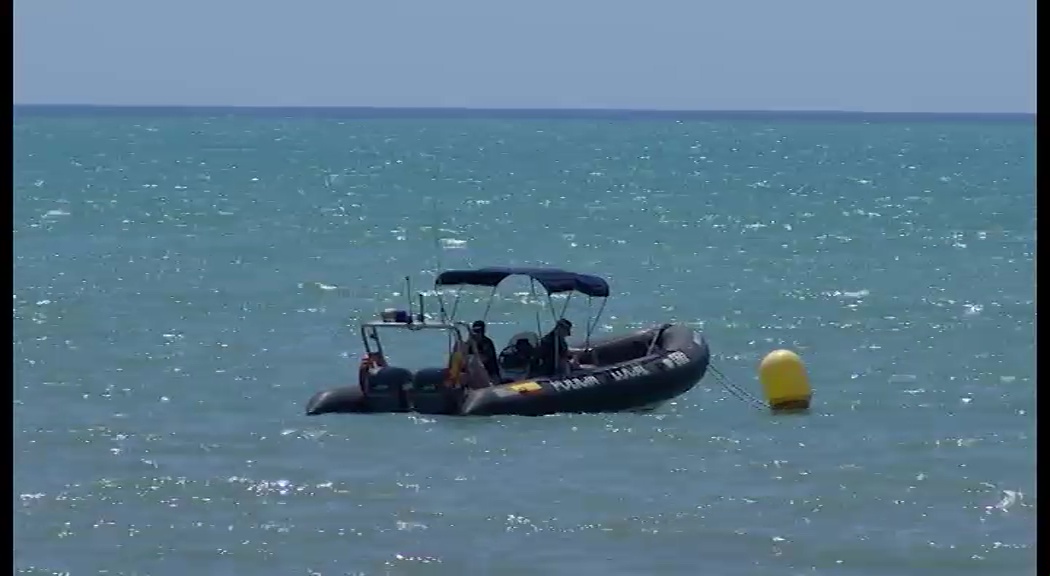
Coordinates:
(458, 331)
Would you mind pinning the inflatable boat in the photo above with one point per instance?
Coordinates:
(626, 372)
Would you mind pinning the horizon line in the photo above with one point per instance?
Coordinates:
(523, 112)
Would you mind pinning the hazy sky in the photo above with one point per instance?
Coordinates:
(867, 55)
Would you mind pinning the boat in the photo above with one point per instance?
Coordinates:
(635, 371)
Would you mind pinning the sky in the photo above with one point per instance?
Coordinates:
(851, 55)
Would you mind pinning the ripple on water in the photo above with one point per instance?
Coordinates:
(204, 277)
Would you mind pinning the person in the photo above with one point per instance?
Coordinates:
(552, 354)
(517, 356)
(486, 349)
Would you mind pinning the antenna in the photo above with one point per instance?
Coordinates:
(435, 229)
(437, 253)
(408, 295)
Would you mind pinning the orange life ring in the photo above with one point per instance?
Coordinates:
(368, 363)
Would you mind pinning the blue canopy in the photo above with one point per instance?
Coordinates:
(552, 279)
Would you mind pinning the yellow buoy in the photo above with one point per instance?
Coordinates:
(784, 381)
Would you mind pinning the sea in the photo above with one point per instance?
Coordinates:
(185, 280)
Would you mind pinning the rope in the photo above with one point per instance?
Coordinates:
(737, 391)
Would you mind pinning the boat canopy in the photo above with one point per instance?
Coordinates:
(553, 280)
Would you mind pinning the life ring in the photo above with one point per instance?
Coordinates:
(369, 362)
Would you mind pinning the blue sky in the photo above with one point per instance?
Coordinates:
(873, 55)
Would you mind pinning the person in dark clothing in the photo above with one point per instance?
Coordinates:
(486, 349)
(518, 356)
(552, 354)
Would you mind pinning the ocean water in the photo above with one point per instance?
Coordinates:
(183, 284)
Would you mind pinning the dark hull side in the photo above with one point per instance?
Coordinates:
(672, 369)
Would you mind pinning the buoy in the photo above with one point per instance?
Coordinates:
(784, 381)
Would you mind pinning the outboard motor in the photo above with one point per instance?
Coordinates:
(386, 390)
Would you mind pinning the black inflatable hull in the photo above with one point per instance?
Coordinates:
(675, 367)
